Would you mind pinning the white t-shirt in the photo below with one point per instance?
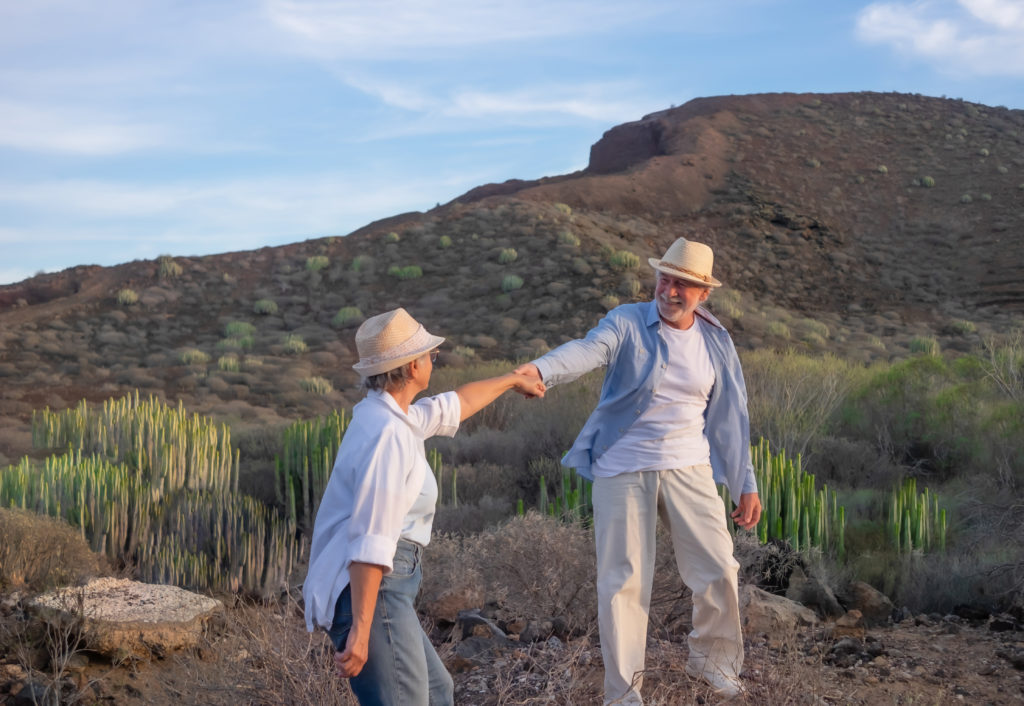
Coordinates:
(670, 432)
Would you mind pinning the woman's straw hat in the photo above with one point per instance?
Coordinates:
(688, 260)
(390, 340)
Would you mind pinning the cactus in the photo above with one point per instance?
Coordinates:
(916, 522)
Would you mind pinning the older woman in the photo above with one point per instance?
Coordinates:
(376, 514)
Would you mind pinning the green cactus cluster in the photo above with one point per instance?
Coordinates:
(304, 467)
(574, 497)
(155, 487)
(916, 522)
(792, 508)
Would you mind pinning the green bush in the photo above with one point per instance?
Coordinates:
(392, 237)
(239, 329)
(127, 297)
(444, 242)
(924, 344)
(966, 198)
(962, 327)
(624, 260)
(168, 268)
(265, 307)
(507, 255)
(927, 182)
(229, 363)
(986, 197)
(564, 209)
(567, 237)
(882, 169)
(983, 152)
(317, 385)
(360, 262)
(404, 273)
(193, 356)
(346, 316)
(609, 302)
(293, 343)
(235, 343)
(317, 263)
(813, 163)
(779, 329)
(511, 282)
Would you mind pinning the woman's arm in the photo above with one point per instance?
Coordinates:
(474, 396)
(364, 580)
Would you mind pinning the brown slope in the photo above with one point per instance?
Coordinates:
(787, 188)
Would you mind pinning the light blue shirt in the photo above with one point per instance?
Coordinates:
(630, 342)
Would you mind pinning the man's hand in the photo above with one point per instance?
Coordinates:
(529, 385)
(530, 371)
(350, 662)
(748, 513)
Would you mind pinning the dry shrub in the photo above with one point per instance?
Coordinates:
(39, 552)
(284, 664)
(533, 567)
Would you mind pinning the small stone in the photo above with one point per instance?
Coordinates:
(872, 680)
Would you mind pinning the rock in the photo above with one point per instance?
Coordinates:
(472, 623)
(1003, 623)
(127, 617)
(446, 605)
(536, 630)
(847, 646)
(761, 612)
(971, 612)
(811, 592)
(30, 694)
(874, 605)
(850, 625)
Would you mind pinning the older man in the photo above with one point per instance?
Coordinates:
(672, 420)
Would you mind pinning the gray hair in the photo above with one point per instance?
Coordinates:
(395, 378)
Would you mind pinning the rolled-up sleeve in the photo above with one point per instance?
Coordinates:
(438, 415)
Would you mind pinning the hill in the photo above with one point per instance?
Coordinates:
(857, 223)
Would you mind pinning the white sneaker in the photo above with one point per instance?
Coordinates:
(722, 685)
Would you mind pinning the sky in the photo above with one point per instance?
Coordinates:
(135, 128)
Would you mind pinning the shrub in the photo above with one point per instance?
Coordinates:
(511, 282)
(915, 520)
(927, 182)
(403, 273)
(966, 198)
(962, 327)
(1002, 170)
(265, 307)
(567, 237)
(193, 356)
(624, 260)
(317, 263)
(882, 169)
(563, 208)
(983, 152)
(609, 301)
(392, 237)
(229, 363)
(360, 262)
(346, 316)
(778, 328)
(813, 163)
(317, 385)
(1020, 186)
(127, 297)
(507, 255)
(293, 343)
(239, 329)
(924, 344)
(235, 343)
(40, 552)
(444, 241)
(631, 287)
(986, 197)
(169, 269)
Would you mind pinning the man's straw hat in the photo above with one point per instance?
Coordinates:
(687, 260)
(390, 340)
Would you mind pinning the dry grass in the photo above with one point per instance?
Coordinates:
(39, 552)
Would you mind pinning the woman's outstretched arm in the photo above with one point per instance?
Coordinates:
(474, 396)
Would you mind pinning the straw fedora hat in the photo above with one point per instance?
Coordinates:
(390, 340)
(687, 260)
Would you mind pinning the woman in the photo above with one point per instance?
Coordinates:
(376, 514)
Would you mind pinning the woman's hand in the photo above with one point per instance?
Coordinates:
(350, 662)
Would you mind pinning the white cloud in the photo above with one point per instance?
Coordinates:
(65, 130)
(392, 28)
(967, 37)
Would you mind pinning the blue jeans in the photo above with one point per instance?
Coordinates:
(402, 666)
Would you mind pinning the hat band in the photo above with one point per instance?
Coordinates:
(702, 278)
(410, 346)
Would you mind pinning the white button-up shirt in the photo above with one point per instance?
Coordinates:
(376, 495)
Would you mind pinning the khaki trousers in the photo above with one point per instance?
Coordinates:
(626, 511)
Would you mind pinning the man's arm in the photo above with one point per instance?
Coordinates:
(571, 360)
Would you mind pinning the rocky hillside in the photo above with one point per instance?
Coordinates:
(854, 223)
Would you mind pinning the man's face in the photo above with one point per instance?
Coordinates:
(677, 299)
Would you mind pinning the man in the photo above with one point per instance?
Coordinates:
(671, 420)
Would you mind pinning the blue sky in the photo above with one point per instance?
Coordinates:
(133, 128)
